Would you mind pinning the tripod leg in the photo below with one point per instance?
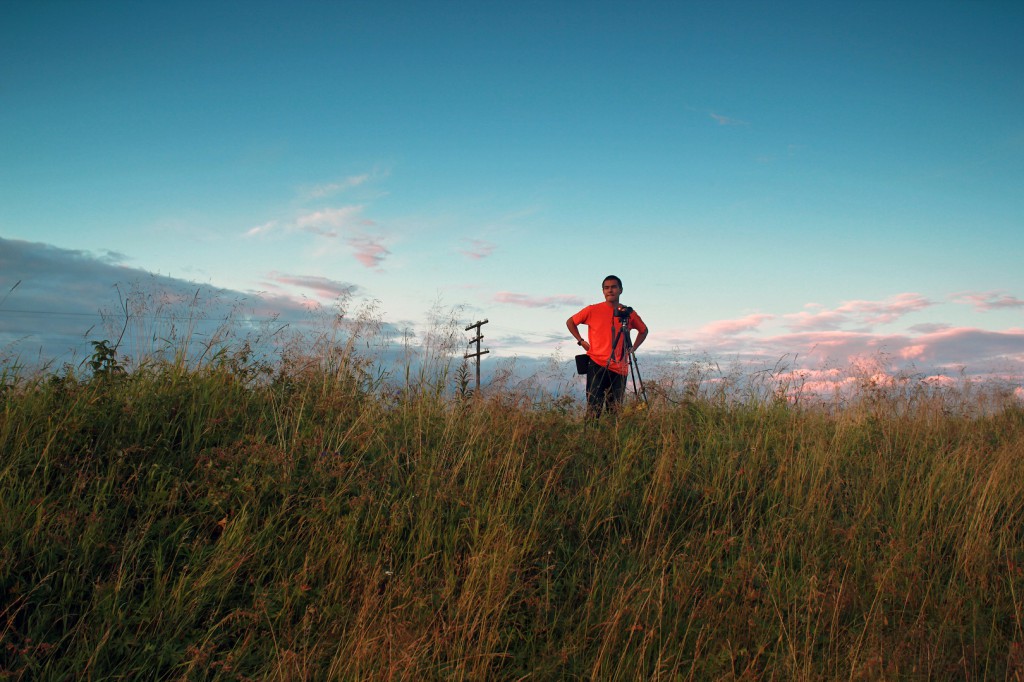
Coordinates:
(633, 365)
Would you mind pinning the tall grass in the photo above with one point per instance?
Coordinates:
(229, 520)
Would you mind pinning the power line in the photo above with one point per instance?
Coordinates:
(47, 312)
(120, 315)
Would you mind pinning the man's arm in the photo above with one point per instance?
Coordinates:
(575, 331)
(639, 339)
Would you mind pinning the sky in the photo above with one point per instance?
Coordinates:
(834, 182)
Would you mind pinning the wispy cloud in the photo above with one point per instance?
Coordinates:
(265, 228)
(527, 301)
(477, 249)
(341, 222)
(332, 188)
(988, 300)
(348, 224)
(321, 286)
(329, 222)
(326, 222)
(737, 326)
(369, 250)
(726, 120)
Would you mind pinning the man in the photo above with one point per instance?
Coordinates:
(605, 346)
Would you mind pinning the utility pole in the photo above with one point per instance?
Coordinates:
(478, 353)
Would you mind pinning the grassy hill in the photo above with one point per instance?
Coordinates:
(301, 523)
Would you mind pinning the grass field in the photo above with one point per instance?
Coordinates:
(224, 520)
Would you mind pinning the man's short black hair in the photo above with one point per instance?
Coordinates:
(617, 280)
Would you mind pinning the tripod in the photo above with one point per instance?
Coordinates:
(628, 353)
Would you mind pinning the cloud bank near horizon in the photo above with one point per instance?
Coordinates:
(53, 300)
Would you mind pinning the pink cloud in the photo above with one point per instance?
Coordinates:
(842, 336)
(822, 321)
(737, 326)
(326, 288)
(370, 251)
(914, 352)
(988, 300)
(950, 348)
(881, 312)
(857, 312)
(527, 301)
(477, 249)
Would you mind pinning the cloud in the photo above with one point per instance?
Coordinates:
(978, 349)
(527, 301)
(65, 297)
(326, 222)
(955, 345)
(113, 257)
(858, 312)
(329, 189)
(329, 222)
(346, 223)
(827, 320)
(915, 352)
(321, 286)
(929, 327)
(477, 249)
(333, 223)
(369, 250)
(53, 301)
(727, 121)
(737, 326)
(265, 228)
(889, 310)
(988, 300)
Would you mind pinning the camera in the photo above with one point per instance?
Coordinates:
(623, 312)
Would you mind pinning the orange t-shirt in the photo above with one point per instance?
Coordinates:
(602, 327)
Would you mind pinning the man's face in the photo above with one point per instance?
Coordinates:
(612, 290)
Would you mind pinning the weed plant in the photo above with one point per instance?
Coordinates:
(231, 520)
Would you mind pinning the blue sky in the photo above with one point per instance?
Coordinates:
(829, 180)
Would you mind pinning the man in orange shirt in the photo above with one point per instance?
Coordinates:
(605, 346)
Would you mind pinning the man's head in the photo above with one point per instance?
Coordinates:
(612, 288)
(614, 279)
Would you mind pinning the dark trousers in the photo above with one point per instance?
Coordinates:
(605, 389)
